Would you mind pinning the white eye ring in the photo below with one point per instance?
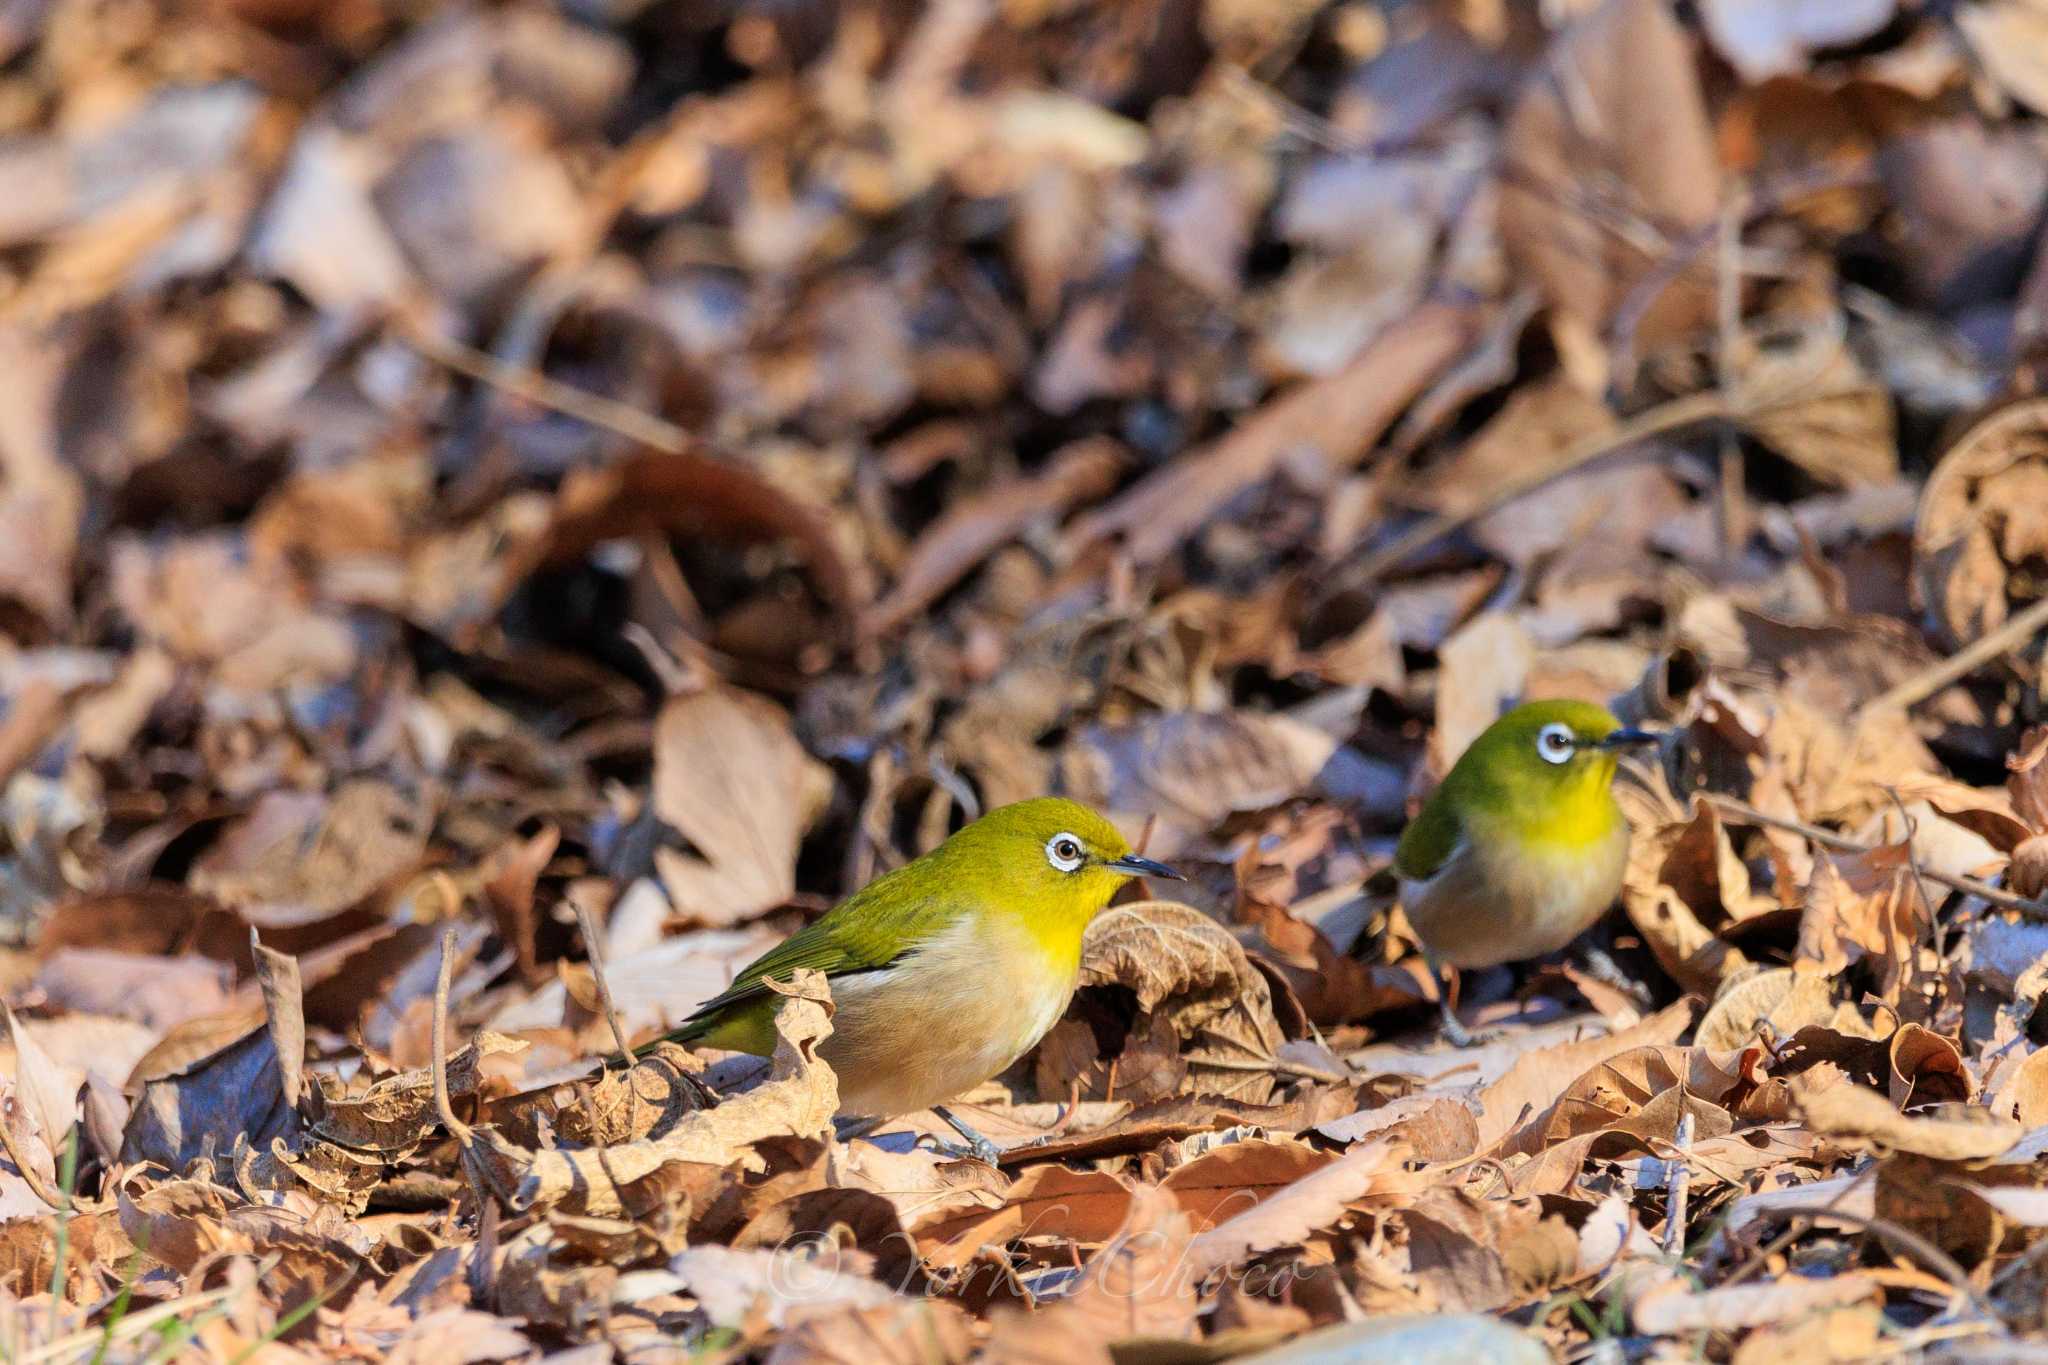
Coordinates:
(1556, 742)
(1065, 852)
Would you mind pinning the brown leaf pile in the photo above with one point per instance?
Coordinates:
(505, 510)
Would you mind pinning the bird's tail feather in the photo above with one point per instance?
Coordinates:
(741, 1026)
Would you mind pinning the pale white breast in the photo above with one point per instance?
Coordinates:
(962, 1008)
(1479, 911)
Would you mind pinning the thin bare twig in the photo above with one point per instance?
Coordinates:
(1678, 1187)
(1827, 838)
(1728, 315)
(1679, 412)
(587, 922)
(1279, 1065)
(1930, 1255)
(1983, 650)
(522, 381)
(1761, 1256)
(460, 1131)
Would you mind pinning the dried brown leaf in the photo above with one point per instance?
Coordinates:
(1140, 1287)
(1845, 1110)
(299, 858)
(1676, 1306)
(46, 1092)
(799, 1097)
(906, 1332)
(1308, 1205)
(1618, 106)
(923, 1187)
(1681, 883)
(1189, 770)
(683, 493)
(1338, 417)
(971, 530)
(730, 776)
(1536, 1079)
(1046, 1201)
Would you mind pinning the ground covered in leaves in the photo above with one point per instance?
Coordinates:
(507, 509)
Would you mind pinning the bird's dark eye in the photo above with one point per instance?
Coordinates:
(1064, 852)
(1555, 743)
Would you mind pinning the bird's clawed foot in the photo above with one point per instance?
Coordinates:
(1457, 1035)
(1599, 964)
(977, 1146)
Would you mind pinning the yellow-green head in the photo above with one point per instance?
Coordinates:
(1544, 771)
(1054, 860)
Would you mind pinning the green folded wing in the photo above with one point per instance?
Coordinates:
(1429, 841)
(872, 929)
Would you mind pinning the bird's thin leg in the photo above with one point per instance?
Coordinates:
(978, 1147)
(1455, 1033)
(847, 1130)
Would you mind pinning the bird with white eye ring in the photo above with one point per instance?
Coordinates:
(1523, 846)
(947, 970)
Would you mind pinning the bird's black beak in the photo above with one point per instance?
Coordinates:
(1627, 738)
(1144, 867)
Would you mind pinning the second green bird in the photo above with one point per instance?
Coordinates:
(1523, 846)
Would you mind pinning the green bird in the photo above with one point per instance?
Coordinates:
(1523, 846)
(947, 970)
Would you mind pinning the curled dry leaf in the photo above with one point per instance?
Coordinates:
(1205, 1014)
(683, 493)
(966, 535)
(393, 1115)
(1814, 404)
(1228, 1179)
(731, 778)
(1866, 907)
(799, 1096)
(1683, 882)
(923, 1187)
(199, 1106)
(901, 1332)
(784, 1286)
(1537, 1077)
(46, 1091)
(1470, 1253)
(1773, 1002)
(1139, 1287)
(1845, 1110)
(1293, 1213)
(1982, 526)
(1674, 1306)
(1434, 1127)
(1048, 1201)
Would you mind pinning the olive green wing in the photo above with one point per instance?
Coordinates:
(870, 931)
(1430, 840)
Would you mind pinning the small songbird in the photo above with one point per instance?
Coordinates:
(1523, 846)
(948, 969)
